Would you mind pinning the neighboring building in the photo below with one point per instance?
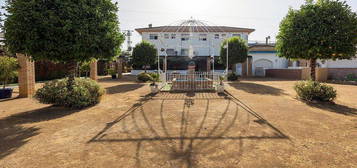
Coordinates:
(2, 38)
(264, 57)
(265, 62)
(181, 42)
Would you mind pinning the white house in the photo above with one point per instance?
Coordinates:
(264, 57)
(2, 38)
(179, 43)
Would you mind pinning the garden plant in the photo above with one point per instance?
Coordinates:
(8, 71)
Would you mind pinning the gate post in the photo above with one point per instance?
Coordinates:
(26, 76)
(120, 67)
(94, 70)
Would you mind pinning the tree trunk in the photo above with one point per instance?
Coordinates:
(313, 69)
(145, 68)
(71, 67)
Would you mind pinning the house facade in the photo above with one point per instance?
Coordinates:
(266, 63)
(181, 45)
(2, 38)
(264, 57)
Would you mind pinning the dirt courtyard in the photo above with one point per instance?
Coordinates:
(261, 124)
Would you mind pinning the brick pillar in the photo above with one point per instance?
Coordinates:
(26, 76)
(120, 67)
(94, 70)
(208, 64)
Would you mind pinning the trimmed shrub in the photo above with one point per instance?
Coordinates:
(154, 78)
(144, 77)
(85, 93)
(232, 77)
(351, 77)
(315, 91)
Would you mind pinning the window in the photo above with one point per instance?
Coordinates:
(202, 37)
(185, 37)
(236, 35)
(153, 37)
(171, 52)
(216, 36)
(173, 36)
(166, 36)
(224, 35)
(184, 52)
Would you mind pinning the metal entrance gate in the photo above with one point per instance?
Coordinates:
(195, 81)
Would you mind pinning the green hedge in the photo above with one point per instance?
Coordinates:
(315, 91)
(85, 93)
(232, 77)
(144, 77)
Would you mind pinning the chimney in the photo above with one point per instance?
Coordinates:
(150, 25)
(267, 40)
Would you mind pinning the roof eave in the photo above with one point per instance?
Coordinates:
(141, 30)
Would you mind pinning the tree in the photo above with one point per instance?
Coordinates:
(237, 51)
(324, 30)
(63, 31)
(8, 69)
(144, 54)
(84, 67)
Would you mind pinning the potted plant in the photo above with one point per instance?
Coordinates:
(8, 71)
(154, 78)
(220, 86)
(112, 72)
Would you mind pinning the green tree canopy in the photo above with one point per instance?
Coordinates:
(64, 31)
(326, 29)
(144, 54)
(237, 51)
(8, 69)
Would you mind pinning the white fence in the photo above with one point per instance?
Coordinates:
(196, 81)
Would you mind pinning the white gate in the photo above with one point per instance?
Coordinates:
(195, 81)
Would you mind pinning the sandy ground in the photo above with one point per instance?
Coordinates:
(262, 125)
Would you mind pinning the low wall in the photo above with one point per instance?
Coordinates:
(340, 73)
(321, 74)
(297, 74)
(293, 74)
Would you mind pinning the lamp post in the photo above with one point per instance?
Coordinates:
(158, 64)
(212, 60)
(227, 47)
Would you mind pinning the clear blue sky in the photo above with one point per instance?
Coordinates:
(262, 15)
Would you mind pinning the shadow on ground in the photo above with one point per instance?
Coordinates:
(335, 108)
(180, 128)
(254, 88)
(125, 78)
(123, 88)
(13, 135)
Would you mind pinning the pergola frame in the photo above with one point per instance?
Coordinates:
(193, 26)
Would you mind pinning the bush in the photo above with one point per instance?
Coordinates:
(154, 78)
(315, 91)
(144, 77)
(8, 69)
(232, 77)
(85, 93)
(351, 77)
(111, 71)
